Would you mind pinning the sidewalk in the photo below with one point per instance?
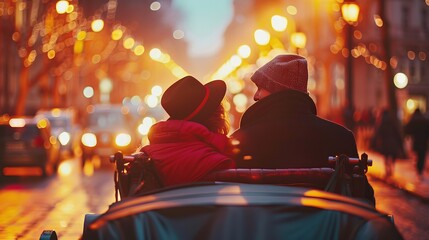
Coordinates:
(404, 177)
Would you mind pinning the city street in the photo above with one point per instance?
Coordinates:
(31, 204)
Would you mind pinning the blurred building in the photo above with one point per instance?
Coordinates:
(389, 37)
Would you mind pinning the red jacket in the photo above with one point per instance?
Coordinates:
(185, 151)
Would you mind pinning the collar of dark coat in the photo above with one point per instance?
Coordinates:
(279, 104)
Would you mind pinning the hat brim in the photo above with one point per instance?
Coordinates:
(217, 91)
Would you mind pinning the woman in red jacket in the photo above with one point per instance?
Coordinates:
(193, 142)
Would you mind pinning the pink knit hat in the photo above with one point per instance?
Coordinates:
(287, 71)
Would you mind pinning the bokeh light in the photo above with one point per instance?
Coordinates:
(88, 92)
(400, 80)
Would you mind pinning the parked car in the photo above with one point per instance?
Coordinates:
(27, 146)
(64, 127)
(108, 128)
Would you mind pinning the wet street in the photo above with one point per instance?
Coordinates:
(31, 204)
(410, 213)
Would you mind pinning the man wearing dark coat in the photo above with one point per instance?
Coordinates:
(418, 129)
(282, 129)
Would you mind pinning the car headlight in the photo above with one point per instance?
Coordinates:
(89, 139)
(64, 138)
(123, 139)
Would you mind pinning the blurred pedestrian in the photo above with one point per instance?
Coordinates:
(193, 142)
(282, 129)
(387, 140)
(418, 128)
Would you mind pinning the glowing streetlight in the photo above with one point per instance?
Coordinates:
(117, 34)
(279, 23)
(128, 43)
(88, 92)
(155, 54)
(298, 39)
(262, 37)
(139, 50)
(400, 80)
(350, 13)
(244, 51)
(156, 90)
(62, 6)
(97, 25)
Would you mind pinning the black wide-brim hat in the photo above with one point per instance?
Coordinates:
(189, 99)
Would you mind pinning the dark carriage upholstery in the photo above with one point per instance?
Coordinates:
(303, 177)
(137, 175)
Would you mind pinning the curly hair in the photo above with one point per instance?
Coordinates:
(217, 122)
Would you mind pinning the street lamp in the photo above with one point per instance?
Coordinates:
(262, 37)
(350, 13)
(279, 23)
(298, 40)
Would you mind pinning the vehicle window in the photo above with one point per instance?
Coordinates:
(59, 122)
(106, 119)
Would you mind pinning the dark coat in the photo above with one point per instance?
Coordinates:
(418, 129)
(387, 137)
(284, 131)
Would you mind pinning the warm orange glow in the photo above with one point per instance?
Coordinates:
(97, 25)
(51, 54)
(117, 34)
(78, 47)
(178, 71)
(244, 51)
(62, 6)
(155, 54)
(278, 23)
(422, 56)
(17, 122)
(139, 50)
(22, 171)
(235, 86)
(410, 187)
(67, 207)
(128, 43)
(411, 55)
(81, 35)
(299, 39)
(350, 12)
(292, 10)
(65, 169)
(314, 193)
(88, 169)
(400, 80)
(378, 21)
(262, 37)
(230, 189)
(42, 123)
(70, 8)
(357, 34)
